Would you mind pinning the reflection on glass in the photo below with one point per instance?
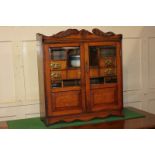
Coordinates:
(74, 58)
(93, 56)
(108, 51)
(58, 54)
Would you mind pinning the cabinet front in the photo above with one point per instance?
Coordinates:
(103, 76)
(65, 65)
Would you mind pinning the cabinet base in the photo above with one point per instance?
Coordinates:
(82, 117)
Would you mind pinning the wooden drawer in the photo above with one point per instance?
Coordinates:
(107, 71)
(58, 75)
(94, 72)
(107, 62)
(74, 74)
(57, 65)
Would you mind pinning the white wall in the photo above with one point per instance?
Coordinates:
(18, 68)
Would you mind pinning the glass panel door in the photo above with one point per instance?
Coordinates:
(102, 64)
(102, 77)
(66, 70)
(65, 67)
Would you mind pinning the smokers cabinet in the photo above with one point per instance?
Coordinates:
(80, 75)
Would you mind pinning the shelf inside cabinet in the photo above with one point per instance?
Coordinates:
(65, 83)
(75, 88)
(73, 82)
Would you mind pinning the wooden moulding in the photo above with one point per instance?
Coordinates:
(83, 117)
(73, 35)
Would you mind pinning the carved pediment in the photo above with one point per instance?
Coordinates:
(82, 32)
(101, 33)
(77, 35)
(70, 32)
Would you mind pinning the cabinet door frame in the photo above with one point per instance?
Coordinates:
(119, 86)
(48, 101)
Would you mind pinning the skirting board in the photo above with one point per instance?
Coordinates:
(13, 112)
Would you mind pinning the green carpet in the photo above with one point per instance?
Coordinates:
(36, 123)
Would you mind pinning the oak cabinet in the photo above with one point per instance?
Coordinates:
(80, 75)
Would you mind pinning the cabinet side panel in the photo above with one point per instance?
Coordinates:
(41, 76)
(120, 76)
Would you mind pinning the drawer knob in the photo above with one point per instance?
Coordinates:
(109, 71)
(108, 63)
(56, 76)
(55, 66)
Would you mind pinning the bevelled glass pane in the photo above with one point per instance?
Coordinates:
(93, 56)
(102, 64)
(58, 54)
(65, 67)
(108, 51)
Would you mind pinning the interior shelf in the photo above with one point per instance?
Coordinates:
(72, 88)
